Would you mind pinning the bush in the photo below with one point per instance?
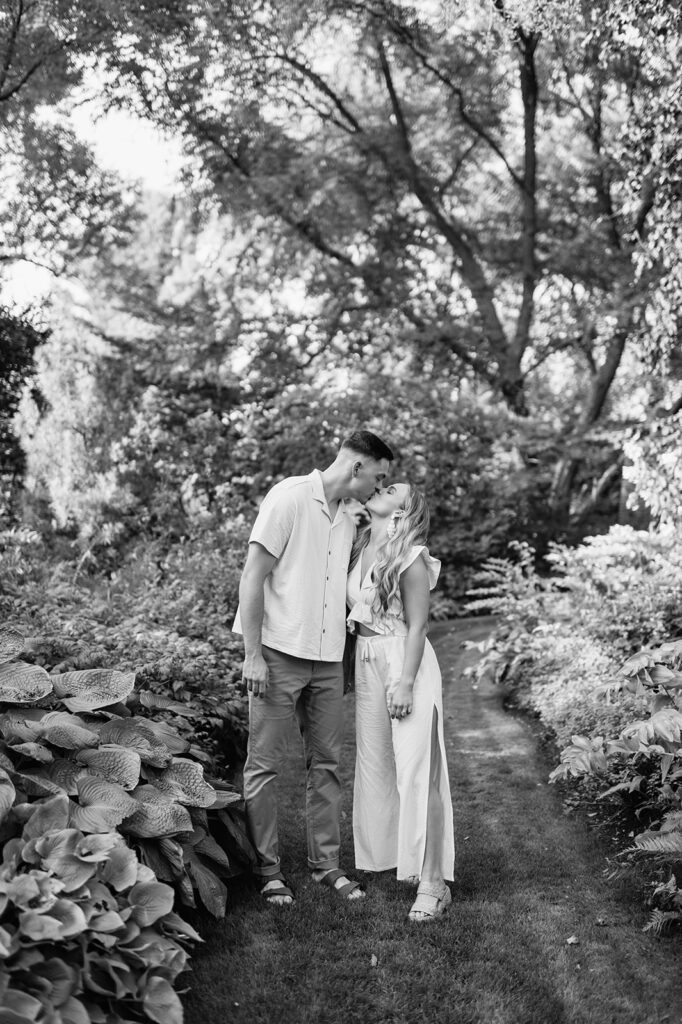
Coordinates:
(166, 613)
(559, 648)
(646, 760)
(100, 807)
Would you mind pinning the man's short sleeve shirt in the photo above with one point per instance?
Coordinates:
(305, 594)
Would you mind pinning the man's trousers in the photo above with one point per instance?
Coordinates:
(312, 692)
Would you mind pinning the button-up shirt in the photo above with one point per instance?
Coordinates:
(305, 593)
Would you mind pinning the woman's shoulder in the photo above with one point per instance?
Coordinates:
(432, 564)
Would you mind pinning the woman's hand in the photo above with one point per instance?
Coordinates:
(399, 699)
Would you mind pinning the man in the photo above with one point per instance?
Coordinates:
(292, 613)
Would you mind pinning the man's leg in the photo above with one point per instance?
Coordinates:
(321, 717)
(270, 719)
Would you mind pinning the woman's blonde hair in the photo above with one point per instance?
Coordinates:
(411, 527)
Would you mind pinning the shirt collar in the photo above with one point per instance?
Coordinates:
(318, 494)
(318, 489)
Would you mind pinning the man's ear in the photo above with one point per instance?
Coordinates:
(357, 466)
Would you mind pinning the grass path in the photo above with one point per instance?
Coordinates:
(527, 879)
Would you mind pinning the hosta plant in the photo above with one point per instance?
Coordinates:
(75, 733)
(87, 932)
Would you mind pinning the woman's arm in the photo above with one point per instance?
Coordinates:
(414, 590)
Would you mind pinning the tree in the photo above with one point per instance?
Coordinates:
(18, 343)
(459, 190)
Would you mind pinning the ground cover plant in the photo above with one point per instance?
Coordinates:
(591, 650)
(106, 821)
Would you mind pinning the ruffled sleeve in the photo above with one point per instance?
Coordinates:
(432, 564)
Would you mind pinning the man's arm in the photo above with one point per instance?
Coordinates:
(259, 563)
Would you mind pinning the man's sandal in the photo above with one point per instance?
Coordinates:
(432, 901)
(276, 890)
(342, 891)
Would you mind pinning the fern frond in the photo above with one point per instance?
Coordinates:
(658, 843)
(660, 920)
(672, 822)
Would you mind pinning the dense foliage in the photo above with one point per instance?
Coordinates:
(592, 652)
(443, 219)
(106, 817)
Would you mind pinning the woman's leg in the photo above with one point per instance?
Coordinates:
(433, 895)
(431, 869)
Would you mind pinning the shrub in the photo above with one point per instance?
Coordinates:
(100, 807)
(86, 931)
(558, 647)
(165, 613)
(646, 759)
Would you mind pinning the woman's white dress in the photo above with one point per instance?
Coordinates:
(392, 767)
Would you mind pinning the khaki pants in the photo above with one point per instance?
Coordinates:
(312, 692)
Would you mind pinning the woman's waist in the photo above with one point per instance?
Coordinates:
(367, 623)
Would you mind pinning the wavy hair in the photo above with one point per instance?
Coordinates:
(411, 528)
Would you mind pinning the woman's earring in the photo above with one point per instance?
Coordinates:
(391, 528)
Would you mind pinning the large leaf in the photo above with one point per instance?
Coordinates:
(119, 870)
(161, 1003)
(22, 684)
(65, 773)
(224, 798)
(92, 688)
(59, 853)
(211, 890)
(11, 643)
(158, 702)
(166, 734)
(151, 950)
(64, 920)
(184, 781)
(176, 925)
(97, 847)
(48, 814)
(36, 784)
(150, 901)
(74, 1012)
(24, 1007)
(21, 726)
(155, 856)
(113, 763)
(235, 825)
(62, 977)
(158, 815)
(137, 736)
(101, 805)
(34, 751)
(7, 794)
(107, 922)
(67, 731)
(208, 847)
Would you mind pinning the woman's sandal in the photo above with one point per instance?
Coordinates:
(343, 891)
(432, 901)
(276, 891)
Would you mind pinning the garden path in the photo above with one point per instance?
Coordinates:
(537, 933)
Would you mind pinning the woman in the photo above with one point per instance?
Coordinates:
(402, 814)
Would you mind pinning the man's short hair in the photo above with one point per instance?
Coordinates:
(365, 443)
